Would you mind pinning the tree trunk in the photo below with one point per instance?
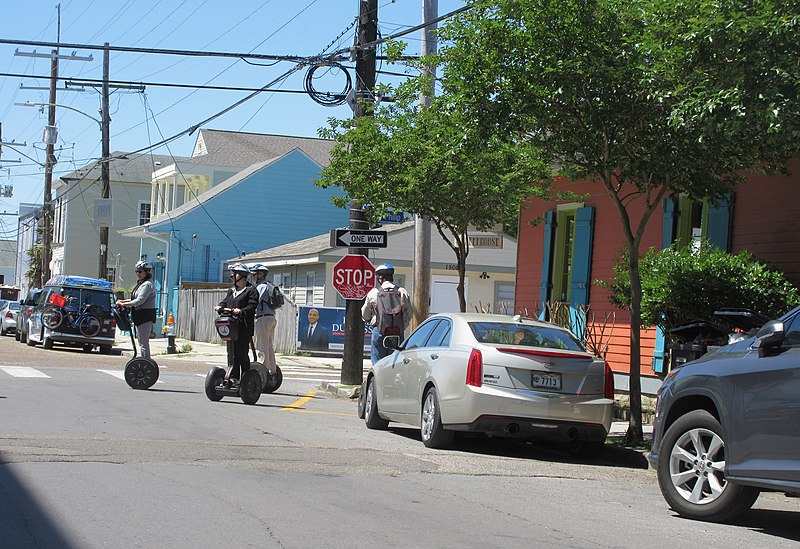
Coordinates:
(635, 434)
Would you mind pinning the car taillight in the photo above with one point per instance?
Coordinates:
(475, 369)
(113, 324)
(608, 390)
(9, 315)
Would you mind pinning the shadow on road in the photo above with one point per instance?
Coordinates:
(610, 456)
(23, 521)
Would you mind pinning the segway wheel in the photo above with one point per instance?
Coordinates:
(214, 379)
(274, 381)
(141, 373)
(250, 387)
(263, 373)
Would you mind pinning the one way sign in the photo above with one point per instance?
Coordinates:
(358, 239)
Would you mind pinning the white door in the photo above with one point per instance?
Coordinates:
(444, 294)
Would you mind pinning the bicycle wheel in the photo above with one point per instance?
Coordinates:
(52, 317)
(89, 325)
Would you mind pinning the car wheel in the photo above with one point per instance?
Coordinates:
(16, 335)
(23, 336)
(28, 341)
(361, 408)
(434, 435)
(47, 343)
(105, 349)
(3, 332)
(87, 347)
(371, 417)
(692, 474)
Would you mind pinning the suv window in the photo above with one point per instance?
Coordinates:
(792, 333)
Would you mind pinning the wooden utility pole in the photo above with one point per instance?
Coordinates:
(353, 358)
(50, 162)
(105, 122)
(421, 297)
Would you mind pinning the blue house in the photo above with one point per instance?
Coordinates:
(269, 203)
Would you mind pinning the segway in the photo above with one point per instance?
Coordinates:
(271, 382)
(218, 381)
(140, 372)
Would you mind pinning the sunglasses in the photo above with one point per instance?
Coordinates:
(139, 271)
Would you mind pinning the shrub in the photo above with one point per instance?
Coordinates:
(681, 285)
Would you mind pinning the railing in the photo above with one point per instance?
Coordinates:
(195, 319)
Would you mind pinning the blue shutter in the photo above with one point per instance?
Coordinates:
(659, 363)
(582, 257)
(547, 262)
(718, 229)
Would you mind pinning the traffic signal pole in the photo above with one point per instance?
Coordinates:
(353, 359)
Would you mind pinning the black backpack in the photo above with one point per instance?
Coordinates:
(276, 298)
(390, 311)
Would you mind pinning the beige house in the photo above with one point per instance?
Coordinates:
(76, 237)
(304, 270)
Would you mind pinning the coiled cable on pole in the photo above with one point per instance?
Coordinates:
(325, 98)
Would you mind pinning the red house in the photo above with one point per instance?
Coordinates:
(564, 247)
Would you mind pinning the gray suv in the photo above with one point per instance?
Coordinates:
(727, 424)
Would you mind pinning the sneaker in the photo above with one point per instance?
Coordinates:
(234, 383)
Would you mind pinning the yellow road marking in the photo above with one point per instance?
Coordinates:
(323, 413)
(297, 403)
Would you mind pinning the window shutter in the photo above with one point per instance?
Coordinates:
(668, 224)
(547, 261)
(582, 257)
(718, 226)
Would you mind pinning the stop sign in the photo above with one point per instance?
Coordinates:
(353, 276)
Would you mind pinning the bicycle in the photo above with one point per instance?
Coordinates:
(55, 314)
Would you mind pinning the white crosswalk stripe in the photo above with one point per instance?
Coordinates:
(22, 371)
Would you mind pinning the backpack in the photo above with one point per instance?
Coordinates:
(390, 311)
(276, 298)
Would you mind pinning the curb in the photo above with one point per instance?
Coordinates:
(347, 392)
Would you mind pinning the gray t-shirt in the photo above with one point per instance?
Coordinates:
(145, 296)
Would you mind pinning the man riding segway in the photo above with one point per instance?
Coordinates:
(140, 372)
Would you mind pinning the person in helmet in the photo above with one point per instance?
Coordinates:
(265, 322)
(143, 305)
(242, 299)
(384, 275)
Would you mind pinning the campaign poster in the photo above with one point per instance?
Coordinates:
(321, 330)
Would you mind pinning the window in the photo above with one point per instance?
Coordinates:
(566, 268)
(792, 331)
(504, 298)
(565, 246)
(144, 213)
(310, 282)
(688, 221)
(420, 335)
(440, 337)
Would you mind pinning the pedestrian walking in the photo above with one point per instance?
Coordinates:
(387, 310)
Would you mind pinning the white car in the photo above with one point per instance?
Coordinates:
(8, 317)
(492, 374)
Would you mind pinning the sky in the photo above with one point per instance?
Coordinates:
(275, 27)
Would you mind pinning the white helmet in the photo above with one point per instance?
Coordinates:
(259, 268)
(143, 266)
(384, 269)
(239, 268)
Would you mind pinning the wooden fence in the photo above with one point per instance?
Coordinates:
(195, 320)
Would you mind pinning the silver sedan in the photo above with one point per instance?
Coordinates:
(492, 374)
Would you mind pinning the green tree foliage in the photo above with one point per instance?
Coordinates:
(646, 97)
(683, 284)
(435, 162)
(34, 272)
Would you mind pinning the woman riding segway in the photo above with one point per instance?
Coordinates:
(140, 372)
(238, 307)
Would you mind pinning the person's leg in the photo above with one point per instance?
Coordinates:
(232, 362)
(242, 350)
(269, 345)
(143, 335)
(375, 351)
(260, 337)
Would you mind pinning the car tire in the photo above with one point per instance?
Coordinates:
(716, 499)
(361, 407)
(16, 335)
(371, 417)
(3, 332)
(47, 343)
(433, 434)
(28, 341)
(105, 349)
(87, 347)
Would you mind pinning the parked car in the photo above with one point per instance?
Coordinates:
(492, 374)
(73, 310)
(727, 424)
(8, 317)
(23, 317)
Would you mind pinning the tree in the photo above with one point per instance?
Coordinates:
(646, 97)
(34, 272)
(433, 162)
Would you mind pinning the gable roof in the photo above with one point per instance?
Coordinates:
(123, 168)
(240, 149)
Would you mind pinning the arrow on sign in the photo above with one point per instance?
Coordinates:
(358, 239)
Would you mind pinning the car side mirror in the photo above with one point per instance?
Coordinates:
(769, 336)
(392, 342)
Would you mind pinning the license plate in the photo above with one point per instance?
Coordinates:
(546, 380)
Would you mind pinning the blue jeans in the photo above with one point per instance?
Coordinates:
(378, 351)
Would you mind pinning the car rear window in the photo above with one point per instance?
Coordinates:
(82, 296)
(14, 305)
(510, 333)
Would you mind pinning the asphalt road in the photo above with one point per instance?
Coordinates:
(87, 462)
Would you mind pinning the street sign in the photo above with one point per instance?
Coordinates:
(353, 276)
(358, 239)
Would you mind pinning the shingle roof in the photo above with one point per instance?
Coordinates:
(314, 245)
(228, 148)
(133, 169)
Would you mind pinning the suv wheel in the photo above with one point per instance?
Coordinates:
(691, 471)
(47, 343)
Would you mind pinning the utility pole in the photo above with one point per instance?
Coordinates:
(50, 161)
(105, 122)
(421, 298)
(353, 358)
